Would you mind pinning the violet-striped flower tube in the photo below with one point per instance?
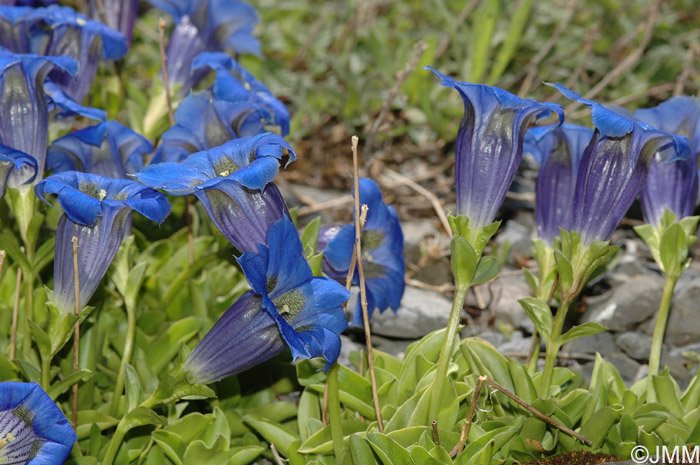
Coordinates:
(16, 168)
(97, 210)
(108, 149)
(23, 102)
(234, 184)
(119, 15)
(287, 306)
(672, 185)
(33, 431)
(614, 167)
(559, 150)
(490, 146)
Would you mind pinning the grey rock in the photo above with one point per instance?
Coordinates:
(635, 344)
(494, 337)
(604, 343)
(628, 305)
(347, 346)
(501, 297)
(395, 347)
(516, 344)
(683, 323)
(421, 313)
(518, 233)
(627, 367)
(414, 232)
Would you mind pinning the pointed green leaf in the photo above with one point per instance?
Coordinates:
(586, 329)
(488, 268)
(58, 388)
(540, 314)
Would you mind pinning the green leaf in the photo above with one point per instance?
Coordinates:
(360, 451)
(174, 388)
(309, 408)
(34, 227)
(41, 338)
(463, 260)
(586, 329)
(142, 416)
(566, 272)
(89, 418)
(388, 450)
(667, 392)
(540, 314)
(355, 392)
(272, 432)
(485, 19)
(488, 268)
(597, 427)
(648, 235)
(673, 249)
(133, 283)
(321, 442)
(58, 388)
(133, 388)
(515, 33)
(168, 344)
(309, 238)
(44, 255)
(243, 455)
(11, 245)
(531, 279)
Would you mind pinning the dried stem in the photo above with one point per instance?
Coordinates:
(485, 379)
(164, 66)
(419, 49)
(76, 330)
(363, 289)
(15, 313)
(276, 454)
(434, 201)
(687, 67)
(3, 254)
(436, 435)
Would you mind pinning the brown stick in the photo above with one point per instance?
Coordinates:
(276, 454)
(363, 289)
(419, 49)
(434, 201)
(687, 67)
(164, 65)
(436, 435)
(3, 254)
(76, 335)
(15, 314)
(516, 399)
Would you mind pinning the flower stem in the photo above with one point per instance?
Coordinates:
(553, 346)
(126, 357)
(46, 371)
(446, 352)
(114, 444)
(334, 414)
(659, 330)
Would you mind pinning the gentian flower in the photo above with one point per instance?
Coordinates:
(287, 306)
(489, 146)
(120, 15)
(219, 25)
(23, 103)
(97, 210)
(33, 430)
(558, 149)
(108, 149)
(234, 184)
(16, 168)
(672, 185)
(382, 253)
(55, 31)
(237, 105)
(62, 106)
(614, 166)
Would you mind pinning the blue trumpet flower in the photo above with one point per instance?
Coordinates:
(215, 25)
(119, 15)
(23, 102)
(33, 431)
(237, 105)
(614, 167)
(489, 146)
(108, 149)
(97, 210)
(234, 184)
(287, 306)
(382, 253)
(16, 168)
(56, 31)
(672, 185)
(62, 106)
(559, 150)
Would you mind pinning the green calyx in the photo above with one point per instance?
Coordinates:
(577, 263)
(467, 247)
(670, 241)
